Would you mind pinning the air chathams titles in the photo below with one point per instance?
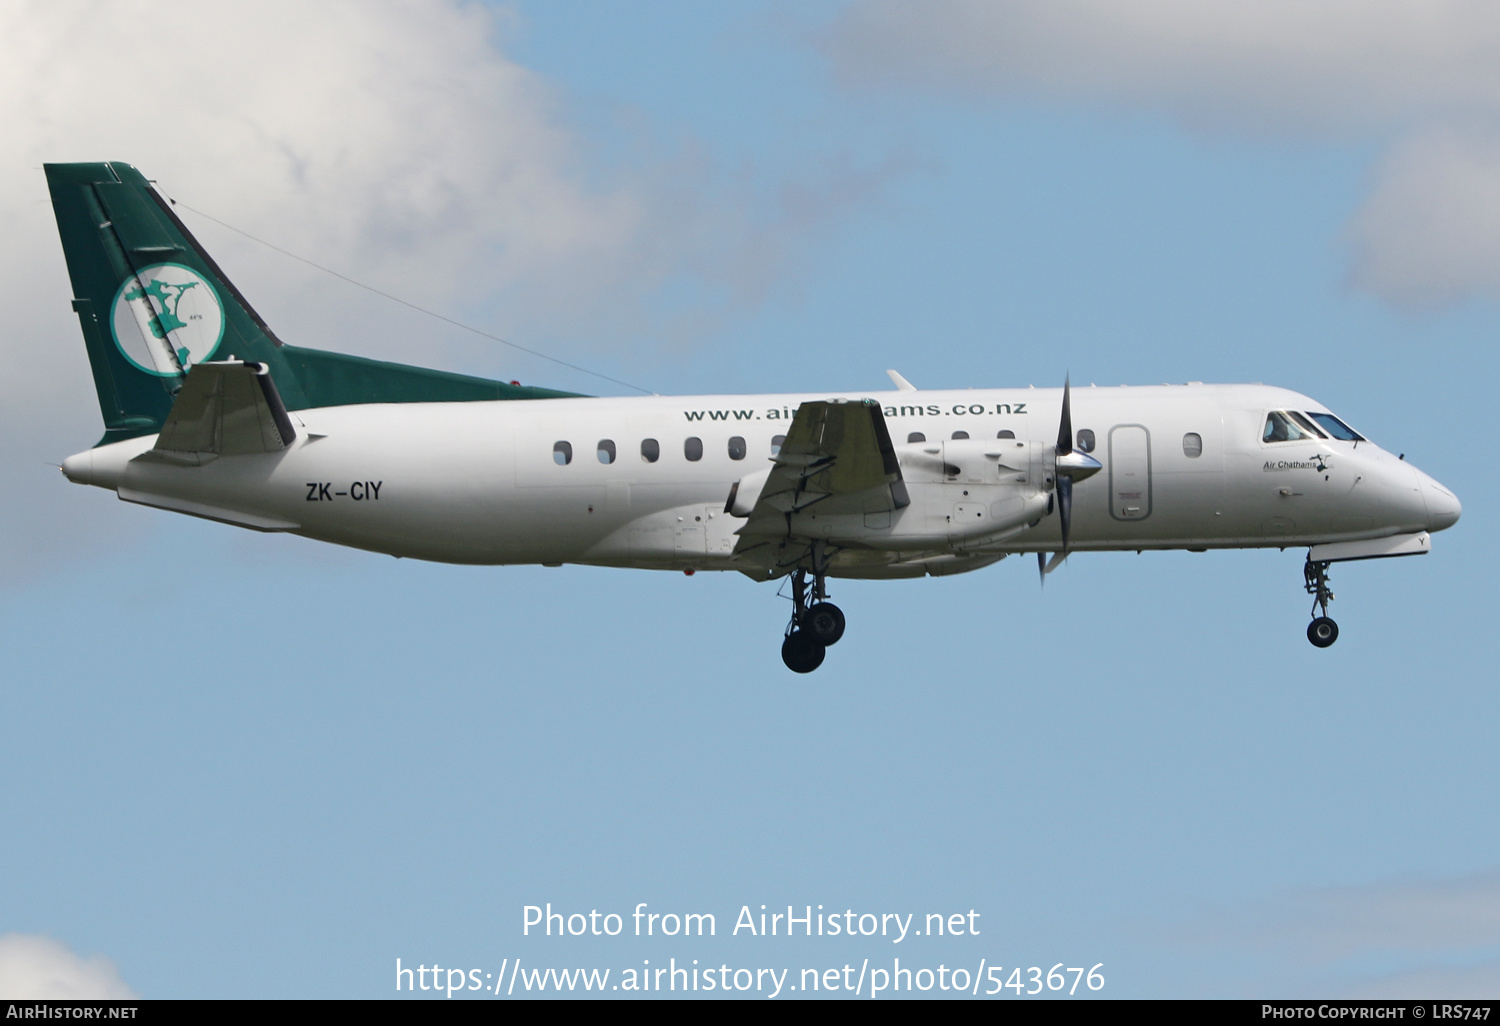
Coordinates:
(765, 923)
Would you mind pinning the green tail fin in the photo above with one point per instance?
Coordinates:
(152, 304)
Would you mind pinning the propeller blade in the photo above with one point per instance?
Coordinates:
(1069, 466)
(1045, 566)
(1065, 429)
(1065, 507)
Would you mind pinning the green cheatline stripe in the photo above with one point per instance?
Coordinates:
(413, 306)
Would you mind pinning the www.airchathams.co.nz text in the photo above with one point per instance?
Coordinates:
(926, 410)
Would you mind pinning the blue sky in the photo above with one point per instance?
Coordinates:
(245, 765)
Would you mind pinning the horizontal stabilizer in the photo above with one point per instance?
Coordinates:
(229, 408)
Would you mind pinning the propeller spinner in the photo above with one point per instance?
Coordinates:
(1071, 466)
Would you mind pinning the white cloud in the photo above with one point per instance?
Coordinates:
(391, 139)
(1429, 233)
(1407, 915)
(1322, 65)
(1421, 79)
(39, 968)
(1427, 937)
(1461, 983)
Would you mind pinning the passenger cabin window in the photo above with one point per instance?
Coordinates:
(606, 450)
(1280, 427)
(1005, 433)
(650, 450)
(1086, 441)
(1192, 445)
(1335, 427)
(776, 443)
(960, 434)
(693, 449)
(562, 453)
(736, 448)
(916, 436)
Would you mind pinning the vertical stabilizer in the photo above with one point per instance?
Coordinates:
(150, 302)
(152, 305)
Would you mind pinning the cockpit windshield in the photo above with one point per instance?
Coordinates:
(1335, 427)
(1285, 426)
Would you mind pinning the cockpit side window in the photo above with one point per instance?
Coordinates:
(1335, 427)
(1280, 427)
(1306, 423)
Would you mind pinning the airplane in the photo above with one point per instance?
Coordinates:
(208, 413)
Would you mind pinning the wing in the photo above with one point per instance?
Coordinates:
(837, 460)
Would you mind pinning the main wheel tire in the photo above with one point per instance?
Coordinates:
(801, 653)
(825, 622)
(1322, 632)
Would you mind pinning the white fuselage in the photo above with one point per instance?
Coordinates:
(484, 482)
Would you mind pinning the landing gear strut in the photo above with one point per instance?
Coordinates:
(816, 623)
(1322, 632)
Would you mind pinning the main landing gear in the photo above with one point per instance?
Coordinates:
(816, 624)
(1322, 632)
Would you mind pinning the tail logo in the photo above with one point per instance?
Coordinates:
(167, 318)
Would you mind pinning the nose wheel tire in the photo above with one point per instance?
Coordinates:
(1322, 632)
(824, 622)
(801, 652)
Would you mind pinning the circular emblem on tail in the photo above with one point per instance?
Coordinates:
(167, 318)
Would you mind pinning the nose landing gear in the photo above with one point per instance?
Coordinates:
(1322, 632)
(815, 625)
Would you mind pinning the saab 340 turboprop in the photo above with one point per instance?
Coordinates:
(208, 413)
